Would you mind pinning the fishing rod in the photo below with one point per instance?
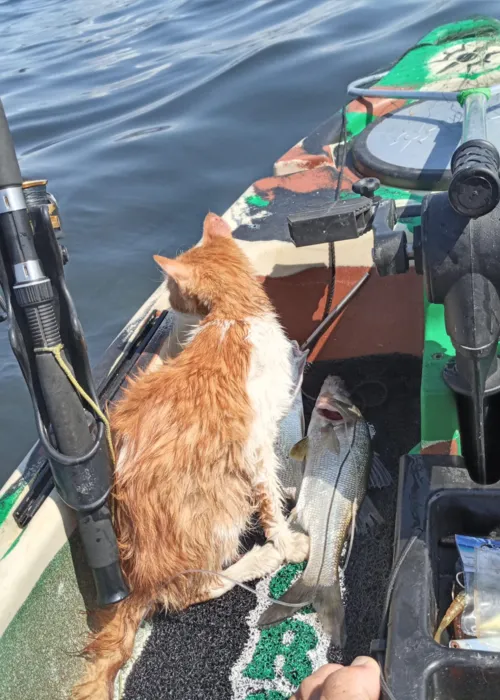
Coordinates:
(48, 342)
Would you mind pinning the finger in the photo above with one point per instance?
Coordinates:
(360, 681)
(310, 687)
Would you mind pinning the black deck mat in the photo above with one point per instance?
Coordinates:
(189, 656)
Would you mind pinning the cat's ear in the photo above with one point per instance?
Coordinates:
(175, 269)
(214, 226)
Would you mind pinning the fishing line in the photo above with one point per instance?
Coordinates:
(330, 507)
(354, 510)
(331, 246)
(218, 574)
(385, 613)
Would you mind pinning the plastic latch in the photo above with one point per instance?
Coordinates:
(367, 186)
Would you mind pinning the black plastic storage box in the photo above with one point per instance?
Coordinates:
(436, 500)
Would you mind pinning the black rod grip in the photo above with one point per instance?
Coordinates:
(18, 236)
(10, 174)
(475, 186)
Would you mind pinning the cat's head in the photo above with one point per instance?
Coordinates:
(208, 274)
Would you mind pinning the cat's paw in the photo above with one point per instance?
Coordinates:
(293, 546)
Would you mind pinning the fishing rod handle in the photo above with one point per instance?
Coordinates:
(475, 186)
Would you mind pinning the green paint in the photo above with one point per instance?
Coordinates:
(410, 222)
(7, 502)
(267, 695)
(13, 545)
(396, 193)
(271, 644)
(257, 201)
(439, 419)
(414, 69)
(390, 193)
(480, 74)
(347, 194)
(356, 122)
(462, 96)
(477, 26)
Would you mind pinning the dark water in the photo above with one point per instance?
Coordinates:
(144, 114)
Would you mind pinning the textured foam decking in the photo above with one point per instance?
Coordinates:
(209, 651)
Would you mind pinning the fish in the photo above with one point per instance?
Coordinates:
(292, 428)
(338, 463)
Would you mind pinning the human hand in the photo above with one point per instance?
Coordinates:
(359, 681)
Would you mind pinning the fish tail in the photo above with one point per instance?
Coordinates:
(326, 600)
(330, 608)
(300, 594)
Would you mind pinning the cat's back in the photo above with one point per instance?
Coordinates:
(196, 400)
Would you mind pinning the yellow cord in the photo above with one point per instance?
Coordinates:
(56, 350)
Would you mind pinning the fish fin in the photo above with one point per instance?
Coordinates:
(379, 475)
(368, 516)
(299, 450)
(354, 412)
(331, 441)
(371, 430)
(330, 608)
(299, 592)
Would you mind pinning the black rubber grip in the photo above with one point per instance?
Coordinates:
(475, 186)
(43, 325)
(10, 174)
(34, 293)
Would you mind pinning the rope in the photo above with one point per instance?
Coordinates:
(56, 351)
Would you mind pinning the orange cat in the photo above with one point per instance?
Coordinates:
(195, 452)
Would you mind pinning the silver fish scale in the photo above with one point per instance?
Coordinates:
(343, 476)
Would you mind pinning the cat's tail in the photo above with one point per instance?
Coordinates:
(109, 649)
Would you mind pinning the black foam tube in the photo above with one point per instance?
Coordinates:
(475, 186)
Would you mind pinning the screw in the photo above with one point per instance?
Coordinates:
(64, 254)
